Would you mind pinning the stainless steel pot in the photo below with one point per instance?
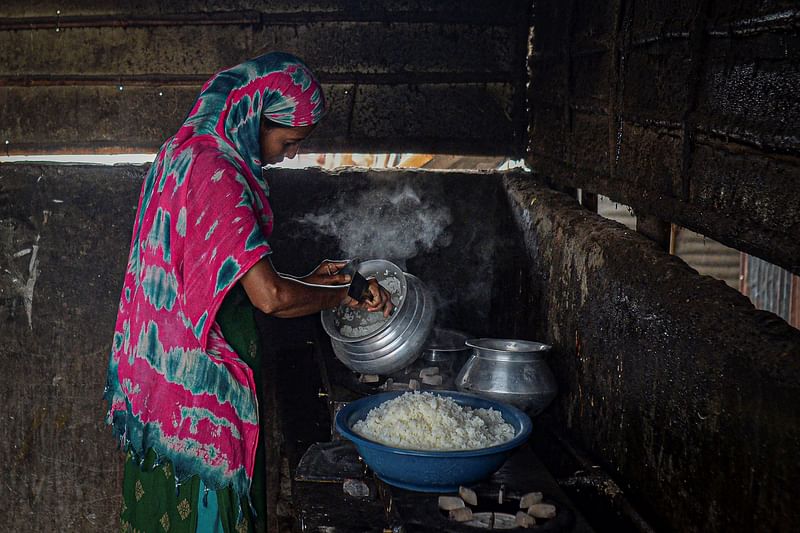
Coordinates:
(511, 371)
(446, 346)
(383, 346)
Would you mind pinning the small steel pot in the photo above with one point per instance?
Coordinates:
(511, 371)
(446, 346)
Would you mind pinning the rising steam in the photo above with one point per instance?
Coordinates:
(396, 227)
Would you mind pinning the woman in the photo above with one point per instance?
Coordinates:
(181, 386)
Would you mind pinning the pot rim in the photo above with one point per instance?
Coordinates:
(507, 347)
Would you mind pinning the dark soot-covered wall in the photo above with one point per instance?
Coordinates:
(64, 237)
(672, 380)
(687, 111)
(413, 76)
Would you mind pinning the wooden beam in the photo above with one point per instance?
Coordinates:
(654, 229)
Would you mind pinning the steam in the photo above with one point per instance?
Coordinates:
(373, 225)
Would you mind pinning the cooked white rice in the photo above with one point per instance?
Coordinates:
(425, 421)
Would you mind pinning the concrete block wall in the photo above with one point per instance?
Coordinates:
(671, 380)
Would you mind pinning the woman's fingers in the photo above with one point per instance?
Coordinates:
(334, 267)
(380, 299)
(328, 273)
(328, 268)
(339, 279)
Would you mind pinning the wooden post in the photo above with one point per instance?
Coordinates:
(589, 200)
(654, 229)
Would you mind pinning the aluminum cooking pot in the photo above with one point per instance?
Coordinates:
(371, 344)
(511, 371)
(446, 346)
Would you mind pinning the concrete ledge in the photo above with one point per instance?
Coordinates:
(672, 379)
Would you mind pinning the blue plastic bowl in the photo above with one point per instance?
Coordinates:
(432, 471)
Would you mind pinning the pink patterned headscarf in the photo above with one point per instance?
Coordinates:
(174, 384)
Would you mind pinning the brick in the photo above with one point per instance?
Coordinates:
(550, 29)
(593, 25)
(548, 80)
(728, 16)
(652, 18)
(548, 135)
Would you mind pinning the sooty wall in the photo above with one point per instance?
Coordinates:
(672, 380)
(64, 237)
(687, 111)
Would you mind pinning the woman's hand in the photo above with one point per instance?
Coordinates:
(379, 299)
(327, 273)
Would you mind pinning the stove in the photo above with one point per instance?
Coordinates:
(333, 491)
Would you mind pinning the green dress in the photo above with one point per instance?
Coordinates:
(151, 503)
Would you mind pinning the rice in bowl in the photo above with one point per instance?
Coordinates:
(425, 421)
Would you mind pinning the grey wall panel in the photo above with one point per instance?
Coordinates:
(106, 119)
(62, 242)
(476, 113)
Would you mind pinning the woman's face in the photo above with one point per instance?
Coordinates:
(277, 143)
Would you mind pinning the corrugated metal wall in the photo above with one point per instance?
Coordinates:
(771, 288)
(445, 77)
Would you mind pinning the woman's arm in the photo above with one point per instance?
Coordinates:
(288, 297)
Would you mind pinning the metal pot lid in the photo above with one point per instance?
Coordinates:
(507, 345)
